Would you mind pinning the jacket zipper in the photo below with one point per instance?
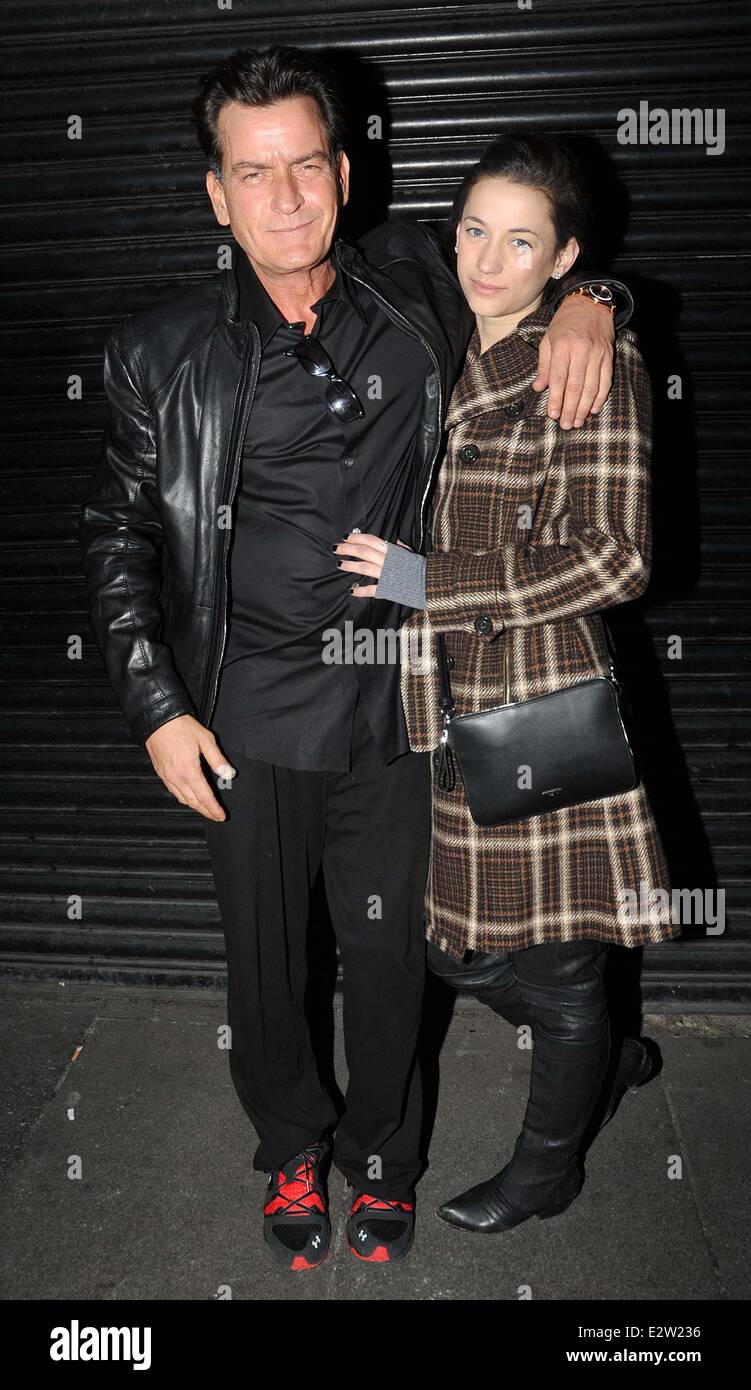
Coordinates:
(240, 415)
(416, 333)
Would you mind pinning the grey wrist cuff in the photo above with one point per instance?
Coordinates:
(402, 579)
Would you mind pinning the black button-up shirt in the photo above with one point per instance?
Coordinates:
(307, 479)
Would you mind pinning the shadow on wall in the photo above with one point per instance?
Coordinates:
(371, 178)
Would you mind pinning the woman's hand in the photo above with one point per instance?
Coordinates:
(369, 552)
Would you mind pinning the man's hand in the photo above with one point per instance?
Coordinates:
(576, 361)
(175, 750)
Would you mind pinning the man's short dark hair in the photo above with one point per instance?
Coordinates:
(262, 77)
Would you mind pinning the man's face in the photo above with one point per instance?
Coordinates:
(279, 193)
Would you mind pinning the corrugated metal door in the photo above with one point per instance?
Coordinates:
(103, 875)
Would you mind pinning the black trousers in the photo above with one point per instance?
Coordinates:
(369, 828)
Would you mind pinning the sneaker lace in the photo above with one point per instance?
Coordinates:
(296, 1191)
(366, 1202)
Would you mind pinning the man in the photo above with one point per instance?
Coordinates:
(257, 421)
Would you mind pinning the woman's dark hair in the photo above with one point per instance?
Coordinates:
(261, 77)
(537, 161)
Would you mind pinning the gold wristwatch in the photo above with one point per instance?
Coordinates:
(599, 294)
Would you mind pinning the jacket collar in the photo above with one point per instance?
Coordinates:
(501, 377)
(528, 330)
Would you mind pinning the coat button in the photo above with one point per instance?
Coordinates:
(514, 409)
(483, 623)
(468, 453)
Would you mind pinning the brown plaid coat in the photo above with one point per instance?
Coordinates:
(534, 530)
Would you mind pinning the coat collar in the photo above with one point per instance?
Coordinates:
(501, 377)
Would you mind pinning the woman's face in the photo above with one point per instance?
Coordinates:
(506, 248)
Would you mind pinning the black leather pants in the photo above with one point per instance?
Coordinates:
(558, 989)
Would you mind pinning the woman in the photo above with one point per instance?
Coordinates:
(534, 531)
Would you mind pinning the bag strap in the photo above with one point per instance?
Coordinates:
(446, 699)
(444, 760)
(614, 667)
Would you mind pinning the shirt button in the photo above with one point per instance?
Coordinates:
(483, 623)
(468, 453)
(514, 409)
(348, 460)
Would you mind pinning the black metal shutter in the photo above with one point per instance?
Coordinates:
(97, 227)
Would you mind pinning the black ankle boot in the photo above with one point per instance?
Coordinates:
(485, 1208)
(543, 1176)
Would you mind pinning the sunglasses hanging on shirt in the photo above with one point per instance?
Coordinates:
(340, 398)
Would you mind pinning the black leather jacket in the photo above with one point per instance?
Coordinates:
(155, 527)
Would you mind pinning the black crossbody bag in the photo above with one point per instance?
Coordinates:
(574, 741)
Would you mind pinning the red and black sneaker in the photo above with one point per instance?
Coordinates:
(296, 1224)
(378, 1229)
